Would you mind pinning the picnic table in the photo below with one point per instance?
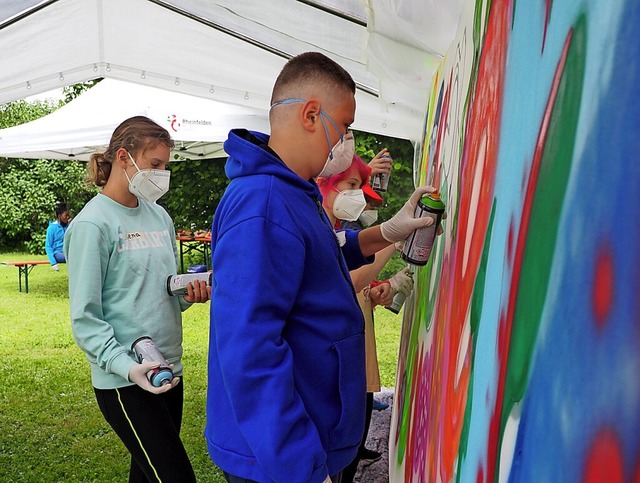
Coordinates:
(23, 269)
(200, 244)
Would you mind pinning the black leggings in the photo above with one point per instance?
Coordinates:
(149, 426)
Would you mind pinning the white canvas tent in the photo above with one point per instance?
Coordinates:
(198, 126)
(231, 50)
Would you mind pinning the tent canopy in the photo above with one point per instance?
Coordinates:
(231, 50)
(79, 128)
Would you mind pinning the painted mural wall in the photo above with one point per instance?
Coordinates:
(520, 350)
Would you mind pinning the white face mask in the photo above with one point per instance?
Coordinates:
(368, 217)
(340, 155)
(149, 184)
(349, 205)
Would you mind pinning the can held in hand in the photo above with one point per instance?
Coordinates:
(398, 302)
(146, 351)
(177, 284)
(380, 181)
(417, 247)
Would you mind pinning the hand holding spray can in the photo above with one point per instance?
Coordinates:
(417, 247)
(380, 181)
(398, 301)
(146, 351)
(177, 284)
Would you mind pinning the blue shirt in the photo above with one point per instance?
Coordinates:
(54, 240)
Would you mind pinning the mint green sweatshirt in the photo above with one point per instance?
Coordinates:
(118, 260)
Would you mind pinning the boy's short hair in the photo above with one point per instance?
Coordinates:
(309, 68)
(60, 208)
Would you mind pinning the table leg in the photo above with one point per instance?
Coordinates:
(20, 279)
(22, 270)
(181, 258)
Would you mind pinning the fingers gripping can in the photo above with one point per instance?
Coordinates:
(146, 351)
(380, 181)
(177, 284)
(417, 247)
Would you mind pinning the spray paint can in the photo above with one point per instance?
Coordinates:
(177, 284)
(398, 301)
(381, 180)
(417, 247)
(146, 351)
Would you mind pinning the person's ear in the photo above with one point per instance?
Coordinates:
(122, 158)
(310, 114)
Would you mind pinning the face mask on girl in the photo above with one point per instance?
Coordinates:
(149, 184)
(349, 205)
(368, 217)
(340, 155)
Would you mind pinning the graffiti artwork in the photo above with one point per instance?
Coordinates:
(520, 351)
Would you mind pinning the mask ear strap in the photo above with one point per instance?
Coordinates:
(326, 132)
(293, 100)
(131, 158)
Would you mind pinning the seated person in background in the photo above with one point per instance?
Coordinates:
(55, 236)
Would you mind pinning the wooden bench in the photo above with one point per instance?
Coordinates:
(25, 268)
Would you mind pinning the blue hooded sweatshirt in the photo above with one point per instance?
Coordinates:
(54, 240)
(286, 392)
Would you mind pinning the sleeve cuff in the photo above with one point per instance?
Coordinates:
(121, 365)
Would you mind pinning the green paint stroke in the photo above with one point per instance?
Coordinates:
(545, 218)
(420, 318)
(474, 320)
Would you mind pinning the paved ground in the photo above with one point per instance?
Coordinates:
(378, 440)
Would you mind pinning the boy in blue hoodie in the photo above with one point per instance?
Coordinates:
(55, 236)
(286, 391)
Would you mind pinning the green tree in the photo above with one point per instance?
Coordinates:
(400, 181)
(74, 90)
(196, 189)
(29, 189)
(19, 112)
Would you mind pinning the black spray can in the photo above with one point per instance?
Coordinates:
(417, 247)
(146, 351)
(177, 284)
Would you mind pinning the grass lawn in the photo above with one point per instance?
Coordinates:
(51, 429)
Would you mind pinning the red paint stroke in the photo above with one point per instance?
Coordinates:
(477, 179)
(459, 274)
(602, 293)
(547, 18)
(506, 320)
(510, 241)
(604, 460)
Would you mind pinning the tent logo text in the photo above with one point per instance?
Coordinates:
(176, 124)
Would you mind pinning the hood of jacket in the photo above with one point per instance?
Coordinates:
(249, 155)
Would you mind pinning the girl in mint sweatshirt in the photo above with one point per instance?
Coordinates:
(120, 249)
